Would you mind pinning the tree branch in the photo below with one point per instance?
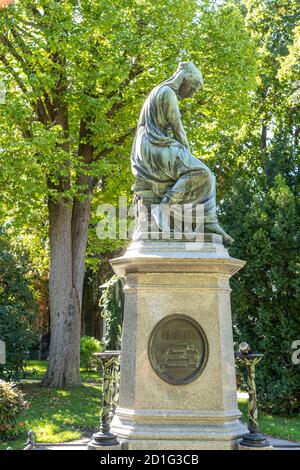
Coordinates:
(23, 47)
(27, 70)
(103, 153)
(134, 72)
(14, 74)
(85, 149)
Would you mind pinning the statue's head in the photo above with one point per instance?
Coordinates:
(191, 79)
(186, 80)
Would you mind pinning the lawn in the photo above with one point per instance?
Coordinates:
(277, 426)
(35, 370)
(59, 415)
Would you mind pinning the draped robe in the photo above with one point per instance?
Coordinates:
(162, 164)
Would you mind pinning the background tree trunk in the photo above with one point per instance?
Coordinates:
(92, 322)
(63, 368)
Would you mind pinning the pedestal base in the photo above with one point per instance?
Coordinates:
(94, 446)
(243, 447)
(166, 429)
(164, 279)
(178, 445)
(254, 441)
(101, 441)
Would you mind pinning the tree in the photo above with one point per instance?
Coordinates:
(76, 74)
(261, 206)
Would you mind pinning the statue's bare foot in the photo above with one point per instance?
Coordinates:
(161, 218)
(216, 228)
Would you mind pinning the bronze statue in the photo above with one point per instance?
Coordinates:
(165, 170)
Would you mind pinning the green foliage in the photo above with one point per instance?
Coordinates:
(88, 346)
(266, 293)
(69, 63)
(228, 58)
(12, 407)
(17, 312)
(112, 303)
(260, 205)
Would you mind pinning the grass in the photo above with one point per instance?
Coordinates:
(59, 415)
(276, 426)
(35, 370)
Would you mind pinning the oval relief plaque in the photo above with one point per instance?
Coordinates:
(178, 349)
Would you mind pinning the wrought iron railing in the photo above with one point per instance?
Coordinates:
(110, 363)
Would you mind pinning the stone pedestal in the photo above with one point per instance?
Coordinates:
(164, 278)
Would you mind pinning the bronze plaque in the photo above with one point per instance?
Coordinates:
(178, 349)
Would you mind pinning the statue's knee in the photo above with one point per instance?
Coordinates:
(209, 174)
(205, 178)
(206, 173)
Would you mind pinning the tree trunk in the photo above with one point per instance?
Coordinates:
(65, 302)
(79, 231)
(68, 233)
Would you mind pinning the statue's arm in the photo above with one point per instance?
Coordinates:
(179, 133)
(174, 118)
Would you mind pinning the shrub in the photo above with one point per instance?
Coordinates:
(18, 312)
(266, 292)
(12, 408)
(88, 346)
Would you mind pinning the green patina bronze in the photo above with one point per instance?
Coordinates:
(250, 360)
(178, 349)
(110, 362)
(165, 170)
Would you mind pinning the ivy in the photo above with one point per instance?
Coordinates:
(112, 303)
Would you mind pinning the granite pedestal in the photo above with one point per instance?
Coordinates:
(184, 278)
